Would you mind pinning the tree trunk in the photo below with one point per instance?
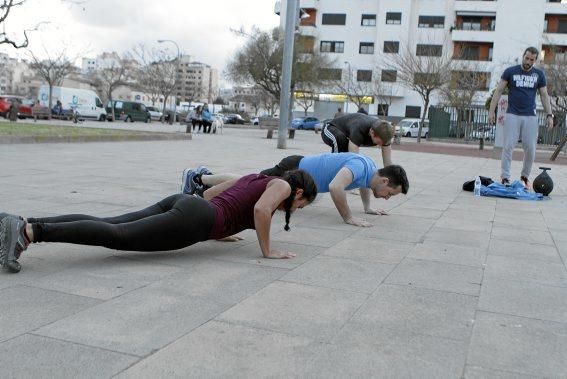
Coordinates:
(50, 101)
(426, 105)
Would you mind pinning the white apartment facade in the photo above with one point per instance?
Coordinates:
(197, 81)
(360, 35)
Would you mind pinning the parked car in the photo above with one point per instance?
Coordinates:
(234, 119)
(128, 111)
(409, 127)
(155, 113)
(307, 123)
(24, 105)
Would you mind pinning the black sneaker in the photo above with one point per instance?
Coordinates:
(13, 242)
(505, 181)
(526, 182)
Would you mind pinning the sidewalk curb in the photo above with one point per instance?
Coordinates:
(109, 138)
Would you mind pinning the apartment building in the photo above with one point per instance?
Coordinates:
(360, 36)
(197, 81)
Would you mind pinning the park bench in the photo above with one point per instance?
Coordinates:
(271, 124)
(40, 113)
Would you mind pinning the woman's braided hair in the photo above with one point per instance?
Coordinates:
(298, 179)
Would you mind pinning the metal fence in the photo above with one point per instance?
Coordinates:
(470, 124)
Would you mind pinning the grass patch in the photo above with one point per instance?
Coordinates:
(22, 129)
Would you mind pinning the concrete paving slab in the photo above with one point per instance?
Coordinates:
(361, 352)
(510, 233)
(221, 282)
(517, 344)
(526, 299)
(472, 372)
(458, 237)
(526, 270)
(448, 253)
(418, 311)
(524, 250)
(31, 356)
(136, 323)
(219, 349)
(296, 309)
(370, 250)
(437, 276)
(340, 273)
(24, 309)
(105, 279)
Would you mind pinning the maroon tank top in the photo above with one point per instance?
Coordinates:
(234, 208)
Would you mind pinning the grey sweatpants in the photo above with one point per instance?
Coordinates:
(513, 126)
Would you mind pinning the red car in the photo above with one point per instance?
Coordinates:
(24, 105)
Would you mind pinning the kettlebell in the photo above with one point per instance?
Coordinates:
(543, 183)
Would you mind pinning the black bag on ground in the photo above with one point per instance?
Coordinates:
(469, 186)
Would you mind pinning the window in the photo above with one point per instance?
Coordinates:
(562, 26)
(470, 53)
(333, 19)
(368, 20)
(383, 109)
(429, 50)
(426, 78)
(332, 46)
(431, 22)
(389, 75)
(330, 74)
(391, 47)
(364, 75)
(393, 18)
(366, 48)
(413, 112)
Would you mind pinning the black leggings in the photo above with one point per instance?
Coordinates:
(286, 164)
(174, 223)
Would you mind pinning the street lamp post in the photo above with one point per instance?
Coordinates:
(174, 116)
(287, 63)
(348, 85)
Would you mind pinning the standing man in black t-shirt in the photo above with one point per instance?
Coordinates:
(524, 81)
(347, 133)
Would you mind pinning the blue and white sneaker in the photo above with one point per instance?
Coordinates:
(202, 170)
(188, 184)
(13, 242)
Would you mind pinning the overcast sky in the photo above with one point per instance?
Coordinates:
(201, 28)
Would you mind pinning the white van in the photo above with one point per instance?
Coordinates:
(409, 127)
(86, 102)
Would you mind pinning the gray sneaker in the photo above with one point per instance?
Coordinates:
(188, 185)
(12, 242)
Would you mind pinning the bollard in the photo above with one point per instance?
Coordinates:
(481, 143)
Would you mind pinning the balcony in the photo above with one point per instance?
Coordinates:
(308, 17)
(471, 51)
(554, 53)
(474, 26)
(555, 24)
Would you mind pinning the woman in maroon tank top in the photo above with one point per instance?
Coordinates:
(175, 222)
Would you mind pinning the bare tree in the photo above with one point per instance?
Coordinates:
(269, 102)
(157, 74)
(384, 93)
(52, 69)
(555, 66)
(260, 62)
(357, 85)
(114, 75)
(304, 97)
(5, 7)
(424, 71)
(462, 89)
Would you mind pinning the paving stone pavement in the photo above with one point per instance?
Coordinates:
(446, 286)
